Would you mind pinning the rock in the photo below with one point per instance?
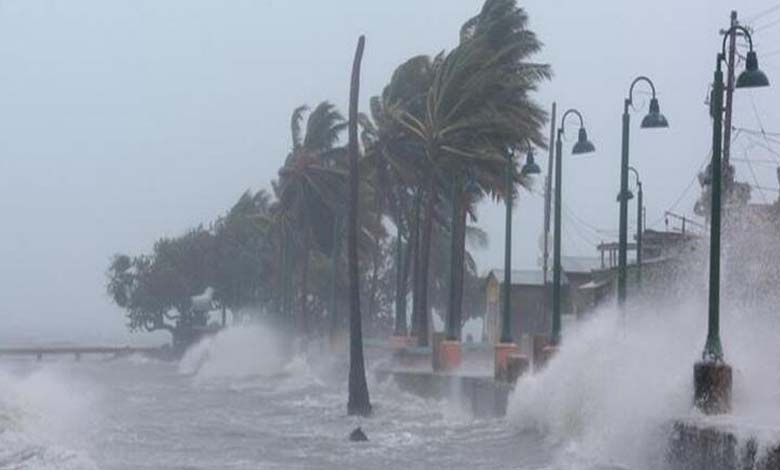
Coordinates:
(358, 435)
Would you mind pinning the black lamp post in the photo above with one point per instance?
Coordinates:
(529, 168)
(712, 376)
(639, 228)
(582, 146)
(653, 119)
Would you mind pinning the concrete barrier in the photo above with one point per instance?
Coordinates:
(481, 396)
(700, 446)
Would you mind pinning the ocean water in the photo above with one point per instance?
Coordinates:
(236, 401)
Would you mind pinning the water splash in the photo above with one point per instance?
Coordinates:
(45, 421)
(238, 352)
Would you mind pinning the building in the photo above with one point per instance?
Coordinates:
(528, 300)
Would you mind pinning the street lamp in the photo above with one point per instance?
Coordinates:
(712, 376)
(582, 146)
(653, 120)
(506, 344)
(639, 228)
(529, 168)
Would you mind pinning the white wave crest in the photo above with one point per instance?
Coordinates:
(236, 352)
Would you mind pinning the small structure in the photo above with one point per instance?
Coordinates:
(529, 294)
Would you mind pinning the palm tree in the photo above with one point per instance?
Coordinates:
(394, 161)
(309, 190)
(358, 402)
(476, 110)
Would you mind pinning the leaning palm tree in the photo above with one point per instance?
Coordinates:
(394, 162)
(476, 111)
(310, 188)
(358, 402)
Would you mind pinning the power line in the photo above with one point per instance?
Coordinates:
(751, 19)
(766, 26)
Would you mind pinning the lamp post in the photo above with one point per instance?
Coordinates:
(653, 119)
(506, 344)
(712, 376)
(582, 146)
(639, 227)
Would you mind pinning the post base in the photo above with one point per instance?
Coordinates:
(547, 353)
(712, 387)
(450, 355)
(401, 342)
(501, 359)
(539, 343)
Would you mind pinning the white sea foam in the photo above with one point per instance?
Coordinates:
(45, 421)
(616, 384)
(236, 352)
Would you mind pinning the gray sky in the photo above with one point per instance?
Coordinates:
(125, 120)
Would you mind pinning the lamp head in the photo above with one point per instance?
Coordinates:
(752, 76)
(583, 145)
(654, 118)
(530, 167)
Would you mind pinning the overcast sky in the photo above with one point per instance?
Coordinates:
(125, 120)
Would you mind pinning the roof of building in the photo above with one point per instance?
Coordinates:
(580, 264)
(525, 277)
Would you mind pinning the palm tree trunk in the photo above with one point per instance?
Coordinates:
(372, 314)
(358, 402)
(305, 287)
(457, 249)
(425, 255)
(335, 255)
(415, 248)
(400, 283)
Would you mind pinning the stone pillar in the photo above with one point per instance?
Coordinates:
(450, 355)
(712, 387)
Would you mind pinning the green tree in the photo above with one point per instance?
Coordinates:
(309, 189)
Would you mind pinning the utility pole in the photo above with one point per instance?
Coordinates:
(730, 66)
(548, 202)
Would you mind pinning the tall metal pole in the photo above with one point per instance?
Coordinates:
(506, 314)
(713, 351)
(547, 203)
(730, 66)
(555, 337)
(639, 229)
(623, 197)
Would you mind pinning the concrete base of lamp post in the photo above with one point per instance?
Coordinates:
(501, 359)
(450, 355)
(516, 365)
(712, 387)
(547, 353)
(539, 342)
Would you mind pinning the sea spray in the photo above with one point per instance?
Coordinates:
(238, 352)
(612, 388)
(46, 420)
